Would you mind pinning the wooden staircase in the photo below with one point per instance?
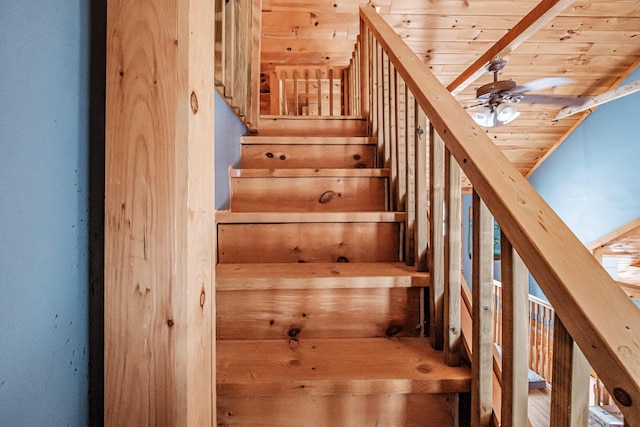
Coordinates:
(319, 322)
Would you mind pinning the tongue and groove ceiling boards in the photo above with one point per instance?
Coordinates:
(597, 43)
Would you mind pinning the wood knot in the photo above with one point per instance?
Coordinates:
(326, 197)
(424, 369)
(203, 297)
(622, 397)
(194, 103)
(343, 259)
(294, 362)
(170, 322)
(294, 331)
(392, 330)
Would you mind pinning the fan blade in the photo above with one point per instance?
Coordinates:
(540, 84)
(564, 101)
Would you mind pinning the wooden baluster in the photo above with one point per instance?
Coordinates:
(331, 91)
(319, 80)
(230, 48)
(436, 236)
(421, 184)
(296, 103)
(239, 69)
(253, 113)
(344, 93)
(275, 94)
(364, 61)
(452, 251)
(380, 105)
(401, 142)
(482, 292)
(391, 159)
(570, 392)
(515, 292)
(220, 46)
(386, 111)
(410, 205)
(285, 101)
(306, 91)
(532, 335)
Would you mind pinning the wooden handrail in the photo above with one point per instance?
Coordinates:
(598, 316)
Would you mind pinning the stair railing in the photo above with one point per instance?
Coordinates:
(409, 110)
(237, 51)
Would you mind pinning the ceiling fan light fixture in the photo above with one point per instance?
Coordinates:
(506, 113)
(484, 117)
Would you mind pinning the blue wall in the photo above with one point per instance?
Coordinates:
(228, 129)
(593, 180)
(44, 59)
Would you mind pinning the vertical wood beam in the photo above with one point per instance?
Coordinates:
(515, 363)
(230, 43)
(453, 262)
(570, 392)
(482, 307)
(275, 103)
(391, 148)
(410, 171)
(331, 91)
(418, 180)
(159, 214)
(296, 95)
(436, 236)
(253, 115)
(319, 79)
(220, 45)
(365, 69)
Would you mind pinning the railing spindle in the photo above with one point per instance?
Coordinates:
(570, 391)
(515, 363)
(391, 146)
(436, 235)
(482, 306)
(452, 248)
(410, 147)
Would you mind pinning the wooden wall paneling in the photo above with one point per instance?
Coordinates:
(159, 214)
(436, 237)
(230, 47)
(453, 262)
(570, 392)
(422, 170)
(515, 363)
(482, 306)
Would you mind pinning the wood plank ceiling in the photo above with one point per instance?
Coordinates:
(597, 43)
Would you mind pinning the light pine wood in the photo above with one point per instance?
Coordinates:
(422, 167)
(515, 353)
(362, 410)
(410, 178)
(307, 173)
(317, 275)
(308, 194)
(307, 140)
(318, 313)
(309, 368)
(159, 234)
(230, 59)
(436, 243)
(570, 392)
(482, 308)
(320, 126)
(452, 260)
(286, 156)
(226, 217)
(594, 310)
(308, 242)
(595, 101)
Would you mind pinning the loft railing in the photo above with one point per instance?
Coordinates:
(419, 123)
(237, 52)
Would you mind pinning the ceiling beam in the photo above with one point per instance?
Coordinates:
(581, 119)
(608, 96)
(539, 16)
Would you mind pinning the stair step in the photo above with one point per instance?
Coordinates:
(308, 190)
(263, 276)
(253, 237)
(326, 366)
(314, 125)
(318, 313)
(308, 152)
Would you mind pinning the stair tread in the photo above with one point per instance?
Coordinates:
(228, 217)
(307, 172)
(263, 276)
(308, 140)
(329, 366)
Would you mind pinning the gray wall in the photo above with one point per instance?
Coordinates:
(44, 100)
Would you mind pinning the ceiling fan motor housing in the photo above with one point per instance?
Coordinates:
(485, 92)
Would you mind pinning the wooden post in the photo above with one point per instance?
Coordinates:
(364, 66)
(436, 236)
(482, 294)
(253, 115)
(421, 185)
(515, 363)
(220, 45)
(230, 42)
(452, 247)
(159, 214)
(410, 149)
(391, 148)
(296, 95)
(570, 392)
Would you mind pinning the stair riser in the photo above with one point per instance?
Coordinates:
(318, 313)
(339, 410)
(309, 242)
(316, 126)
(280, 156)
(308, 194)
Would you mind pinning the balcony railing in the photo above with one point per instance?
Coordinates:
(428, 141)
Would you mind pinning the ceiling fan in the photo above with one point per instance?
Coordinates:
(493, 100)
